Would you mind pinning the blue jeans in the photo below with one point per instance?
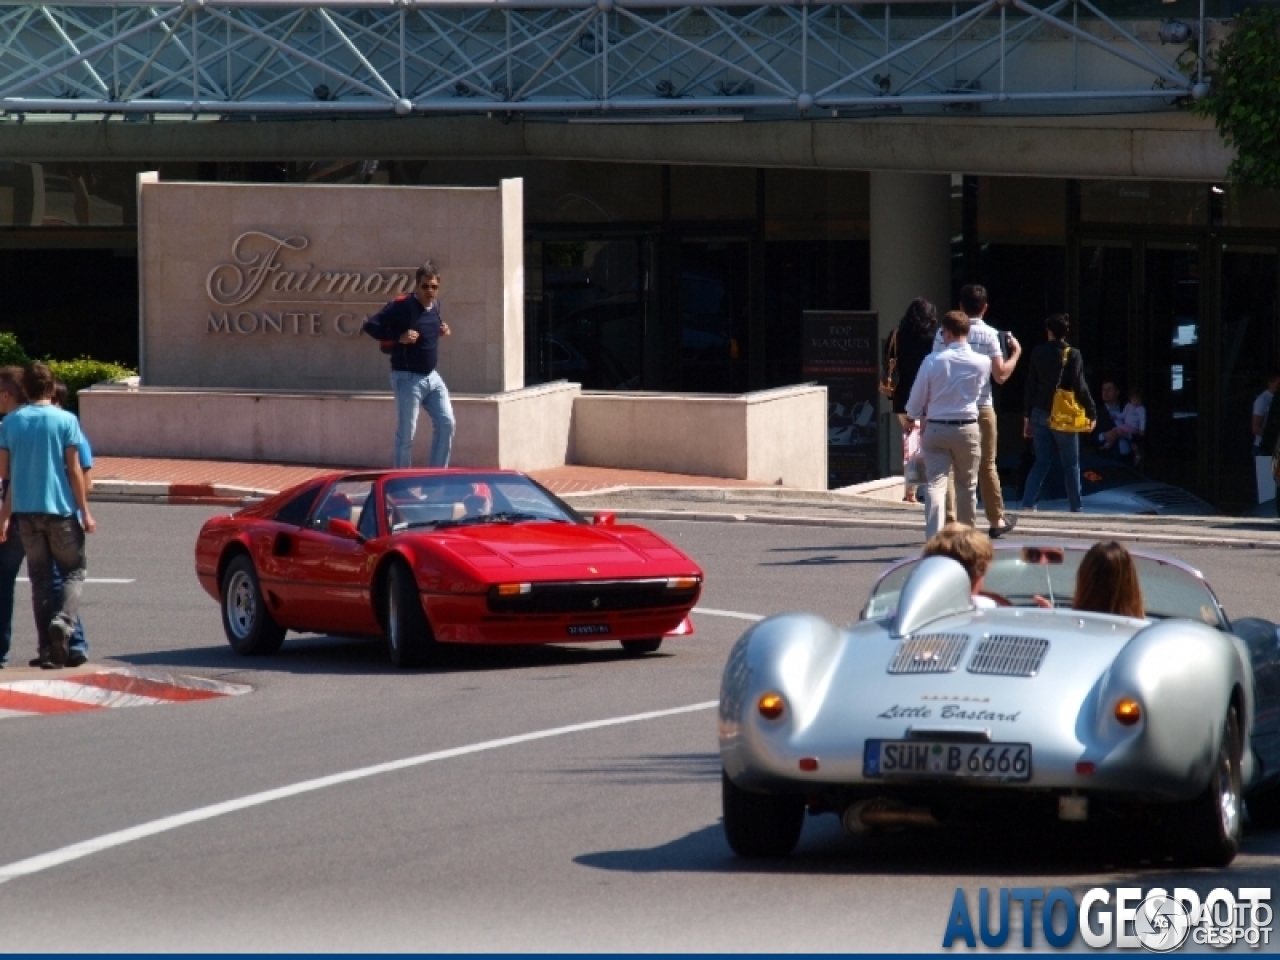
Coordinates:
(11, 555)
(1052, 445)
(55, 552)
(414, 390)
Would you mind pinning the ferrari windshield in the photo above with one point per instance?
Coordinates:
(444, 500)
(1019, 574)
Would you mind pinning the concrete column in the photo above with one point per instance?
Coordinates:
(910, 257)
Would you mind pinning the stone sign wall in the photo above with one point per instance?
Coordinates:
(264, 287)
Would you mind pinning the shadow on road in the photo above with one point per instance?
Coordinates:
(825, 848)
(311, 654)
(828, 555)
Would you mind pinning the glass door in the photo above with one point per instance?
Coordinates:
(1247, 347)
(1173, 305)
(587, 306)
(1104, 314)
(714, 292)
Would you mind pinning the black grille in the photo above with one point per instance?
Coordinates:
(598, 597)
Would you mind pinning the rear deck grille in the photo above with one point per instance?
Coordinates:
(929, 653)
(1008, 656)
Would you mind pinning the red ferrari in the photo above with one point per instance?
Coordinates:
(428, 556)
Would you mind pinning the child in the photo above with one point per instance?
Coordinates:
(1130, 429)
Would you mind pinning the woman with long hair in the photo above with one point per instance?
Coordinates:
(913, 342)
(1107, 582)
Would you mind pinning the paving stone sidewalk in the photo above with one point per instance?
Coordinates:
(640, 495)
(822, 508)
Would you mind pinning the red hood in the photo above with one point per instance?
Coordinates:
(561, 550)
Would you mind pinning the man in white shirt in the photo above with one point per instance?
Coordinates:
(985, 340)
(1261, 407)
(945, 395)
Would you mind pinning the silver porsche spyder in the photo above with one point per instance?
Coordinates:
(931, 712)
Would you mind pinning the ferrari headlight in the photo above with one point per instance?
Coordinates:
(681, 583)
(514, 589)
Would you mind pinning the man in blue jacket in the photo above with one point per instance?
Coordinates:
(413, 326)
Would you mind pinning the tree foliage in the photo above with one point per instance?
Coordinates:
(1244, 99)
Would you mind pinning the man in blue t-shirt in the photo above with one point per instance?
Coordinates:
(413, 327)
(40, 460)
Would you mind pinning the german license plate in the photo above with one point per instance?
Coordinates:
(890, 759)
(587, 629)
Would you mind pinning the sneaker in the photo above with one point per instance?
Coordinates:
(77, 660)
(58, 643)
(50, 665)
(995, 533)
(38, 661)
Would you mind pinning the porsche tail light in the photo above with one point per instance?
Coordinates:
(771, 706)
(681, 583)
(514, 589)
(1128, 712)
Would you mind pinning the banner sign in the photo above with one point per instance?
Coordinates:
(841, 353)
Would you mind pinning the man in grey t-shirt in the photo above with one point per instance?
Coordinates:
(985, 340)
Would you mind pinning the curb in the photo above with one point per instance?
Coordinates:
(182, 494)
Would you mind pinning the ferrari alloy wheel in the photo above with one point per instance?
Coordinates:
(409, 638)
(249, 626)
(760, 824)
(638, 648)
(1210, 829)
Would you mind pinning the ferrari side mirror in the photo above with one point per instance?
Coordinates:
(344, 529)
(604, 520)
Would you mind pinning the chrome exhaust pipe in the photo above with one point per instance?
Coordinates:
(880, 813)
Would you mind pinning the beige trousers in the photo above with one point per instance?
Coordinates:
(988, 477)
(950, 448)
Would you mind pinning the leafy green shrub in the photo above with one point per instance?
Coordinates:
(11, 352)
(1244, 99)
(85, 372)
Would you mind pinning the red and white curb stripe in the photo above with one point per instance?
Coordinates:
(129, 491)
(104, 689)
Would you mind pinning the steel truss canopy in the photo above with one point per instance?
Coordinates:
(586, 58)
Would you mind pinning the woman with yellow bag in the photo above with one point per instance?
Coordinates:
(1058, 409)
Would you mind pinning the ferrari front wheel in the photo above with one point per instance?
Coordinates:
(409, 637)
(1209, 830)
(638, 648)
(249, 626)
(760, 824)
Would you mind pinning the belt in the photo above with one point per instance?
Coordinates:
(953, 423)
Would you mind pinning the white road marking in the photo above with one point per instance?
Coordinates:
(90, 580)
(732, 614)
(77, 851)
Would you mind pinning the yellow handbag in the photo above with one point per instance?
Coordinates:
(1067, 416)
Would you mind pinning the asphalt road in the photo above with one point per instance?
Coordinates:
(605, 838)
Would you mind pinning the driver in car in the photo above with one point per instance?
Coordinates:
(972, 550)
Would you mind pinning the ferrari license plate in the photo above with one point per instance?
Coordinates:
(587, 629)
(889, 759)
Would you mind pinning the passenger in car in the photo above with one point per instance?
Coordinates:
(1107, 582)
(972, 550)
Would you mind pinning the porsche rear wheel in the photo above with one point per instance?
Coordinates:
(760, 824)
(638, 648)
(249, 626)
(1208, 833)
(409, 637)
